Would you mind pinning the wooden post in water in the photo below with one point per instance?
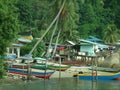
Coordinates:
(59, 67)
(45, 68)
(94, 66)
(92, 70)
(29, 71)
(96, 63)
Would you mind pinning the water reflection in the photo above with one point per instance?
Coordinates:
(62, 84)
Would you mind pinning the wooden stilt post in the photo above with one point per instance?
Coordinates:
(59, 67)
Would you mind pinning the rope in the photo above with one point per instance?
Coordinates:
(48, 28)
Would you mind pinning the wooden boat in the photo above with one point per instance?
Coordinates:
(113, 70)
(41, 67)
(59, 67)
(36, 73)
(19, 65)
(108, 76)
(74, 63)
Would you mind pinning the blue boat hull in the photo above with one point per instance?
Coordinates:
(99, 77)
(33, 73)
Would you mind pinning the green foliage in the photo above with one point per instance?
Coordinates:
(68, 20)
(78, 19)
(1, 68)
(40, 49)
(111, 34)
(24, 15)
(96, 16)
(8, 24)
(8, 27)
(88, 20)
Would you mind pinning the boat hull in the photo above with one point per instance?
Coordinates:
(59, 68)
(98, 77)
(41, 67)
(20, 66)
(23, 72)
(112, 70)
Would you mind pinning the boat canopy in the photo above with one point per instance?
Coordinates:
(27, 57)
(39, 58)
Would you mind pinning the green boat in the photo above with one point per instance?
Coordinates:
(104, 69)
(41, 67)
(59, 67)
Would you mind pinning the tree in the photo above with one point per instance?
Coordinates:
(68, 19)
(39, 50)
(24, 14)
(88, 19)
(115, 8)
(111, 34)
(44, 11)
(8, 26)
(41, 15)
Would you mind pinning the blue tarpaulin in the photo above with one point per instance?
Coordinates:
(11, 57)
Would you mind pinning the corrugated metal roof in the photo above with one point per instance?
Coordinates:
(94, 39)
(24, 40)
(86, 42)
(17, 45)
(72, 43)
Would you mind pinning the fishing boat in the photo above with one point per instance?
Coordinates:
(36, 73)
(19, 65)
(94, 76)
(104, 69)
(59, 67)
(41, 66)
(74, 63)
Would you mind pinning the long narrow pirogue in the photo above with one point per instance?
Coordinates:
(94, 76)
(24, 72)
(19, 65)
(41, 67)
(59, 67)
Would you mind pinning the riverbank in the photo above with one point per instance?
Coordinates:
(70, 72)
(11, 78)
(57, 74)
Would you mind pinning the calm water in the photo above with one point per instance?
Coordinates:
(63, 84)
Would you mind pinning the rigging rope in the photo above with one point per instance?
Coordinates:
(48, 27)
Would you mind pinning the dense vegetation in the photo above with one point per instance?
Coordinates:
(78, 19)
(8, 27)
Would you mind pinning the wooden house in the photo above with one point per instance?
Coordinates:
(88, 49)
(65, 51)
